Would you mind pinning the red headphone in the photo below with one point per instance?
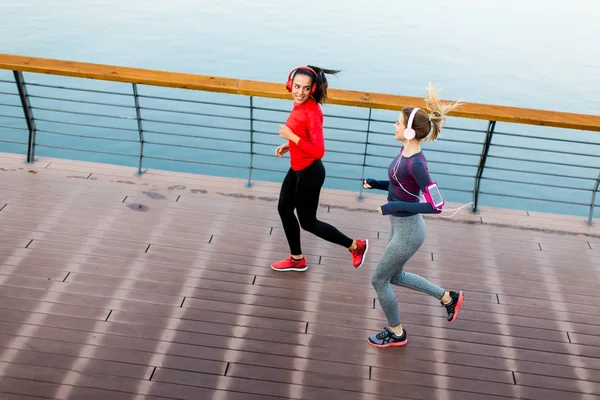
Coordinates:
(289, 82)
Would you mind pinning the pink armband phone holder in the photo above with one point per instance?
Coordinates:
(433, 196)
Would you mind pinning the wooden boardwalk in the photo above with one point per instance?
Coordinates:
(159, 287)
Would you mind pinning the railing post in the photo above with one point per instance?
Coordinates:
(20, 81)
(249, 183)
(138, 113)
(364, 164)
(481, 166)
(590, 217)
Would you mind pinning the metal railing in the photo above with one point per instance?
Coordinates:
(238, 133)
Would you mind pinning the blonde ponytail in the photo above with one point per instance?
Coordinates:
(437, 112)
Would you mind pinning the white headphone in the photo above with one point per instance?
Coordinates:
(409, 132)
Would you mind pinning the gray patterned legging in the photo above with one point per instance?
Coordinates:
(406, 236)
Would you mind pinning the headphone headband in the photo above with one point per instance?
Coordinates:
(302, 68)
(409, 132)
(411, 118)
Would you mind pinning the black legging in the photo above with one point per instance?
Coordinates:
(300, 190)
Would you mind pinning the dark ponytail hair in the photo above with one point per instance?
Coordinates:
(320, 94)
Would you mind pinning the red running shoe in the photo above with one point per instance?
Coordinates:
(358, 255)
(290, 264)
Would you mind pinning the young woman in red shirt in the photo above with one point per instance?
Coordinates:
(302, 184)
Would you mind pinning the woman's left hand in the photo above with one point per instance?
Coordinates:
(286, 133)
(379, 211)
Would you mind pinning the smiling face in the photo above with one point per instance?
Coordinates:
(301, 88)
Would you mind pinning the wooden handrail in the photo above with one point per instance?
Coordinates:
(277, 90)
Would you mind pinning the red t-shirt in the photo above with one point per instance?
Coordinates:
(306, 121)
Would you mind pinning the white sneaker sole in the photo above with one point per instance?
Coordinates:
(289, 269)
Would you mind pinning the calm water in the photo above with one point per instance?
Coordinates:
(520, 53)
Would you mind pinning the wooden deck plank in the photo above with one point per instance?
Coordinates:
(446, 257)
(120, 342)
(119, 273)
(83, 298)
(288, 283)
(558, 279)
(274, 220)
(516, 243)
(533, 250)
(171, 360)
(121, 294)
(101, 291)
(589, 339)
(519, 390)
(134, 359)
(35, 307)
(16, 242)
(429, 343)
(109, 384)
(246, 232)
(74, 239)
(119, 209)
(317, 296)
(274, 186)
(257, 387)
(272, 347)
(13, 270)
(574, 386)
(192, 254)
(188, 352)
(57, 359)
(175, 355)
(8, 396)
(504, 212)
(309, 311)
(29, 387)
(213, 180)
(118, 231)
(401, 382)
(361, 277)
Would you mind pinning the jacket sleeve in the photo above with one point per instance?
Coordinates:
(316, 146)
(375, 184)
(421, 174)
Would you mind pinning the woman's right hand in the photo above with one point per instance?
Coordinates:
(366, 185)
(282, 149)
